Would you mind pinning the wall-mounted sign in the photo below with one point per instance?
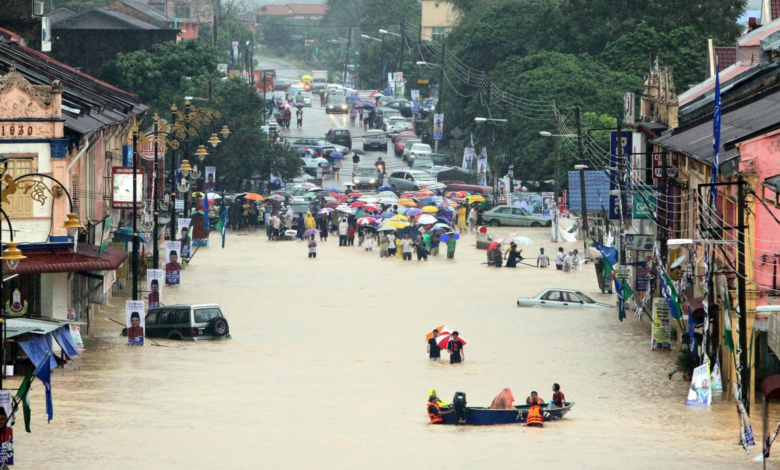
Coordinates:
(644, 205)
(122, 195)
(639, 242)
(671, 165)
(147, 150)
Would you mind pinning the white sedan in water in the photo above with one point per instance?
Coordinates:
(561, 298)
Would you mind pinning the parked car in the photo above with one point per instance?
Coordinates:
(192, 322)
(401, 140)
(322, 147)
(419, 150)
(422, 163)
(365, 177)
(560, 298)
(337, 104)
(515, 217)
(375, 139)
(309, 165)
(411, 180)
(408, 148)
(403, 106)
(340, 137)
(397, 125)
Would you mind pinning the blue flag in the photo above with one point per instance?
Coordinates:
(206, 221)
(621, 299)
(716, 137)
(609, 253)
(43, 373)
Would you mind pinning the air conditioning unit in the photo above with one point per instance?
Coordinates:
(38, 8)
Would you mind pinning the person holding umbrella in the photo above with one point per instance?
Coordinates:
(323, 224)
(455, 348)
(419, 246)
(434, 351)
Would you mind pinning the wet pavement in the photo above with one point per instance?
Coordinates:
(327, 368)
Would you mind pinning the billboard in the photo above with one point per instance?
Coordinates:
(122, 193)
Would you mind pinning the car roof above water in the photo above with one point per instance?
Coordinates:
(186, 306)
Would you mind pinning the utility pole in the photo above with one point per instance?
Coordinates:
(135, 213)
(216, 16)
(155, 197)
(346, 62)
(403, 43)
(441, 90)
(581, 152)
(512, 161)
(663, 235)
(382, 64)
(742, 293)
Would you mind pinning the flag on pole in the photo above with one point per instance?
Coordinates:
(43, 372)
(222, 225)
(716, 136)
(23, 397)
(670, 294)
(728, 335)
(206, 222)
(624, 292)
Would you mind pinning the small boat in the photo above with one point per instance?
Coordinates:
(484, 416)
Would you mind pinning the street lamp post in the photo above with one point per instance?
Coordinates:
(135, 214)
(511, 157)
(365, 36)
(584, 208)
(441, 85)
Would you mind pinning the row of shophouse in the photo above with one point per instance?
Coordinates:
(67, 131)
(681, 127)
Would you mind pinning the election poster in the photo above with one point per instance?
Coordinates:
(183, 235)
(438, 126)
(154, 281)
(661, 325)
(135, 322)
(211, 178)
(468, 157)
(700, 393)
(172, 264)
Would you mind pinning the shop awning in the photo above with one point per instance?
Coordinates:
(86, 259)
(20, 326)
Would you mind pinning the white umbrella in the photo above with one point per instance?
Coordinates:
(387, 229)
(523, 241)
(442, 226)
(387, 194)
(213, 196)
(508, 239)
(368, 199)
(426, 219)
(388, 200)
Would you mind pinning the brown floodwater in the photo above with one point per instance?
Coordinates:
(327, 368)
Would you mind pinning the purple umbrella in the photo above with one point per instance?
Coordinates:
(310, 232)
(385, 215)
(413, 212)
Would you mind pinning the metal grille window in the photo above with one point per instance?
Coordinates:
(182, 11)
(438, 34)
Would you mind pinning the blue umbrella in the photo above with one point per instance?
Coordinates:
(385, 215)
(336, 156)
(333, 190)
(444, 238)
(443, 218)
(366, 104)
(385, 188)
(353, 98)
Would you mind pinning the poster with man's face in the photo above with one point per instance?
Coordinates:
(183, 235)
(154, 282)
(136, 314)
(438, 126)
(211, 179)
(172, 262)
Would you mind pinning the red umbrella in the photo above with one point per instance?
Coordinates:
(366, 221)
(445, 338)
(357, 205)
(332, 204)
(371, 209)
(493, 246)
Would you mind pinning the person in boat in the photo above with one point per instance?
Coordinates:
(434, 410)
(534, 418)
(439, 401)
(558, 399)
(503, 401)
(534, 398)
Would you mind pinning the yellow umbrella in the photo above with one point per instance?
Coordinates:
(306, 78)
(406, 202)
(475, 198)
(430, 209)
(397, 224)
(400, 217)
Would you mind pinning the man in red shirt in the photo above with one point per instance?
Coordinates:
(558, 398)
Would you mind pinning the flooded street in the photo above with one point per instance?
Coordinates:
(327, 367)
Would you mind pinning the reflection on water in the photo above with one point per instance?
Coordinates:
(328, 368)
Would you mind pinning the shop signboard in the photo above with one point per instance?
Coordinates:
(122, 194)
(661, 337)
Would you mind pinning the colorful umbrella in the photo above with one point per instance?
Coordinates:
(386, 215)
(275, 197)
(459, 194)
(430, 209)
(426, 219)
(357, 205)
(366, 221)
(445, 338)
(310, 232)
(336, 156)
(475, 198)
(306, 78)
(442, 329)
(333, 190)
(446, 237)
(424, 193)
(310, 195)
(326, 210)
(396, 224)
(355, 195)
(257, 197)
(385, 188)
(400, 217)
(332, 204)
(369, 199)
(371, 209)
(406, 203)
(413, 212)
(387, 228)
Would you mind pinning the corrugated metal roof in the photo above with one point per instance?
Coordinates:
(148, 11)
(87, 259)
(735, 125)
(19, 326)
(596, 191)
(85, 20)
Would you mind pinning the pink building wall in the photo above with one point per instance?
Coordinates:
(761, 157)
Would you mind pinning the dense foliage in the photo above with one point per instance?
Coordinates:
(175, 70)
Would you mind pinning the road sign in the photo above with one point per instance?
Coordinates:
(423, 81)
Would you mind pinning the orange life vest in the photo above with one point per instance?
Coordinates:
(435, 417)
(534, 415)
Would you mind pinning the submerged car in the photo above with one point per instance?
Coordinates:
(191, 322)
(560, 298)
(515, 217)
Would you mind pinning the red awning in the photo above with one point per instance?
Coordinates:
(87, 259)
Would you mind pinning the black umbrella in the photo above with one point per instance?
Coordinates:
(413, 232)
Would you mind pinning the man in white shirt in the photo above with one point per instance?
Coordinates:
(559, 259)
(542, 261)
(343, 230)
(407, 246)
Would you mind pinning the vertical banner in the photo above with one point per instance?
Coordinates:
(700, 393)
(154, 281)
(211, 178)
(134, 310)
(172, 265)
(548, 205)
(183, 235)
(482, 167)
(438, 126)
(75, 330)
(7, 435)
(661, 325)
(468, 157)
